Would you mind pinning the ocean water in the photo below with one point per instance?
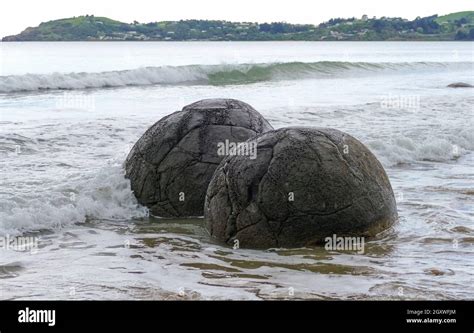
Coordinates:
(70, 112)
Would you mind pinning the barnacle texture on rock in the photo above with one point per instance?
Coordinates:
(306, 184)
(171, 165)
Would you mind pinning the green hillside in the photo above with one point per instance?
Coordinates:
(450, 18)
(455, 26)
(76, 28)
(460, 24)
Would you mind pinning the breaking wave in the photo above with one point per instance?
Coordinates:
(212, 74)
(107, 196)
(441, 148)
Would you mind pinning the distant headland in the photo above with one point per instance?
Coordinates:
(455, 26)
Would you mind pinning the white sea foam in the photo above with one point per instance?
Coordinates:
(402, 149)
(107, 196)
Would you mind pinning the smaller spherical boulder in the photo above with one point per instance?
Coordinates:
(304, 185)
(460, 85)
(172, 164)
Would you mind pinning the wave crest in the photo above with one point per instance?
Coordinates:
(209, 74)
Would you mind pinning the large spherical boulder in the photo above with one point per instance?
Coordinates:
(305, 184)
(171, 165)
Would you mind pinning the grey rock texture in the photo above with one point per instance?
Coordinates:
(171, 165)
(337, 184)
(460, 85)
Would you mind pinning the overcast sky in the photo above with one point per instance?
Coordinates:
(16, 15)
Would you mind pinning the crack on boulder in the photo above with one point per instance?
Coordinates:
(354, 173)
(359, 200)
(172, 147)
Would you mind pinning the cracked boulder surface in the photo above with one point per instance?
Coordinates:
(172, 164)
(305, 184)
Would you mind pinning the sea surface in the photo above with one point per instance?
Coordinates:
(70, 112)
